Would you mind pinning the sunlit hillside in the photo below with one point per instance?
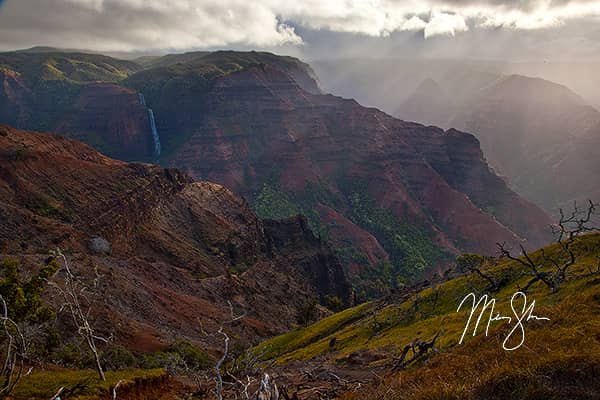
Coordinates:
(559, 359)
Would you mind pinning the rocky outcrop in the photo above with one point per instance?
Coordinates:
(294, 239)
(171, 252)
(343, 233)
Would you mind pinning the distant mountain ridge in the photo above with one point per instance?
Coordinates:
(542, 136)
(428, 104)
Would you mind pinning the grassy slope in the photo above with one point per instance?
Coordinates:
(44, 384)
(206, 66)
(69, 67)
(560, 358)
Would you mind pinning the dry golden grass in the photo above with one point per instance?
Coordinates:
(560, 358)
(84, 384)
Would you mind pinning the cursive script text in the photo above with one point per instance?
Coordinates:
(520, 315)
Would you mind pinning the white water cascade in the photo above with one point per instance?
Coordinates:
(155, 136)
(154, 133)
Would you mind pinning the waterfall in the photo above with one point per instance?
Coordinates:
(155, 136)
(154, 133)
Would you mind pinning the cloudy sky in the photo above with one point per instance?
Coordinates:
(518, 29)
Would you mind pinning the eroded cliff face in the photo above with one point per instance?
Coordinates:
(258, 128)
(14, 96)
(393, 197)
(112, 119)
(76, 95)
(179, 250)
(463, 166)
(541, 136)
(293, 239)
(105, 115)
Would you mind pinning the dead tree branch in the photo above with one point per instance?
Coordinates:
(472, 263)
(567, 230)
(219, 364)
(58, 393)
(419, 348)
(268, 389)
(16, 347)
(114, 391)
(79, 308)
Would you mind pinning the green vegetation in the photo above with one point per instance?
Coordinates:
(193, 357)
(222, 61)
(23, 296)
(43, 204)
(468, 262)
(334, 303)
(480, 368)
(21, 154)
(36, 68)
(308, 313)
(351, 254)
(375, 282)
(84, 384)
(410, 247)
(22, 312)
(281, 346)
(179, 355)
(272, 203)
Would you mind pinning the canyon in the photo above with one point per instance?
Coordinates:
(397, 200)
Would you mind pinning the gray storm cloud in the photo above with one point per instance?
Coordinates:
(130, 25)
